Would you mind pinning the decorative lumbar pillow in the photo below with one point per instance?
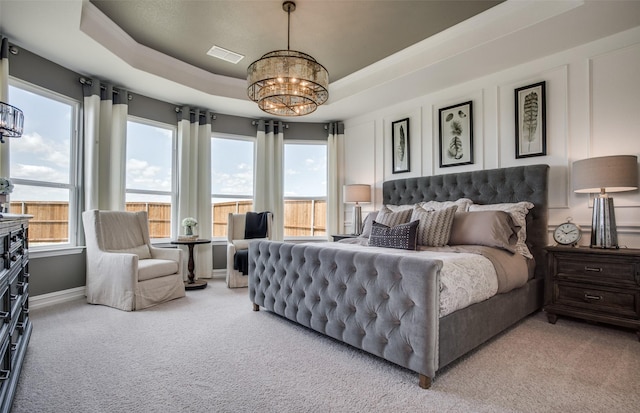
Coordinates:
(142, 251)
(390, 218)
(462, 204)
(518, 212)
(488, 228)
(435, 226)
(402, 236)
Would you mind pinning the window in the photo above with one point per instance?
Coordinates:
(232, 160)
(150, 163)
(305, 189)
(43, 165)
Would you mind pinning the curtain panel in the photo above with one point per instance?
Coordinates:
(4, 97)
(105, 112)
(194, 182)
(268, 191)
(335, 179)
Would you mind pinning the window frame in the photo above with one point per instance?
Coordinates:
(73, 186)
(312, 198)
(174, 176)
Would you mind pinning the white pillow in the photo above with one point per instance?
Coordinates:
(518, 212)
(462, 204)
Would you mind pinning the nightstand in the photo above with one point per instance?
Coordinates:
(338, 237)
(601, 285)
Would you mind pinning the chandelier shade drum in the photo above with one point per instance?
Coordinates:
(287, 82)
(11, 121)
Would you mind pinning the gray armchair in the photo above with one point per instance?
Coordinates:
(123, 270)
(237, 242)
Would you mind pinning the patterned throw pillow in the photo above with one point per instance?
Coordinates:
(518, 212)
(390, 218)
(435, 226)
(402, 236)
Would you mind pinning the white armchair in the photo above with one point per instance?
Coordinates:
(237, 242)
(123, 269)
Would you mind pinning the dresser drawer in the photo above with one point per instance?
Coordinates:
(619, 302)
(603, 269)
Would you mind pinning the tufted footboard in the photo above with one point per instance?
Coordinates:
(387, 305)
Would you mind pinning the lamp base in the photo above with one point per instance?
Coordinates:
(603, 223)
(357, 220)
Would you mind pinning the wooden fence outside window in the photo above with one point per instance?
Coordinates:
(50, 223)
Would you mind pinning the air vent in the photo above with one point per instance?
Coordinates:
(225, 54)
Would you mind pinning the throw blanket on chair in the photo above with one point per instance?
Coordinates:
(255, 226)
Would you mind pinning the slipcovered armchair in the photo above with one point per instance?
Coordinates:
(123, 270)
(237, 241)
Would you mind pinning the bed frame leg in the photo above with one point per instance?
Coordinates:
(256, 307)
(425, 381)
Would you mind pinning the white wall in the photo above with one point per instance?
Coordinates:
(593, 109)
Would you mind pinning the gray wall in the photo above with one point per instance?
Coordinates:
(58, 273)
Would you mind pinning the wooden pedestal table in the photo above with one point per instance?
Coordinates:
(192, 283)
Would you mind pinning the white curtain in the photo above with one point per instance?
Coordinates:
(4, 97)
(335, 179)
(104, 144)
(194, 182)
(269, 177)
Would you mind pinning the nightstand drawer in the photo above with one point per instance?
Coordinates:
(611, 269)
(617, 302)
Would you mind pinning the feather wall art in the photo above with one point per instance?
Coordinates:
(530, 118)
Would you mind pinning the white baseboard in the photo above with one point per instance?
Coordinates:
(56, 297)
(221, 273)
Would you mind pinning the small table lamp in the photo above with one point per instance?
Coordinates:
(357, 193)
(601, 175)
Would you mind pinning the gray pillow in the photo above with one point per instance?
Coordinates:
(402, 236)
(390, 218)
(366, 225)
(489, 228)
(435, 226)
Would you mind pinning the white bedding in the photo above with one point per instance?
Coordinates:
(465, 278)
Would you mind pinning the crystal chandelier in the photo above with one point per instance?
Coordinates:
(287, 82)
(11, 121)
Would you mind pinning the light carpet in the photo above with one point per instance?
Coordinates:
(209, 352)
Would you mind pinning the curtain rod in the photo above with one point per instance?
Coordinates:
(85, 81)
(192, 112)
(255, 122)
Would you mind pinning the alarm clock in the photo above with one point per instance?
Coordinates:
(567, 233)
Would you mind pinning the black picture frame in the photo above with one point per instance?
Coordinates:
(531, 120)
(400, 153)
(456, 134)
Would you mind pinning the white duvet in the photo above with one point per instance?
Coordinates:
(465, 278)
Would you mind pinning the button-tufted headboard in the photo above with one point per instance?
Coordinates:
(491, 186)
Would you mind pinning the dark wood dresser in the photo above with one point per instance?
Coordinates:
(15, 329)
(601, 285)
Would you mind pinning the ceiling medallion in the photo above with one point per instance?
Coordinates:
(287, 82)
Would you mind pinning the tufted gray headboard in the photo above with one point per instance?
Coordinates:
(491, 186)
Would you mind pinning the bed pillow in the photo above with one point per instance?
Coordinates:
(435, 226)
(390, 218)
(366, 225)
(402, 236)
(462, 204)
(489, 228)
(396, 208)
(518, 212)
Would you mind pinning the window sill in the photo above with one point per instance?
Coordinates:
(35, 252)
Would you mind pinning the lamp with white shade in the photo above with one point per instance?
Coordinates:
(357, 193)
(602, 175)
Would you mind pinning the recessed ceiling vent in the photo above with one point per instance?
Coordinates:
(224, 54)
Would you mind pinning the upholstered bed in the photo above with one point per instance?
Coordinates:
(388, 304)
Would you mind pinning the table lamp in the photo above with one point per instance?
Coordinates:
(357, 193)
(601, 175)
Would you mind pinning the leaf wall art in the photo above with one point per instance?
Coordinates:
(400, 154)
(456, 135)
(530, 111)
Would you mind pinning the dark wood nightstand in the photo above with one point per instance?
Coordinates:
(338, 237)
(601, 285)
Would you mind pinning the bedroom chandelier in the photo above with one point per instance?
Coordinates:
(287, 82)
(11, 121)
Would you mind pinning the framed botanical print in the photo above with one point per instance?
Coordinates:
(400, 145)
(456, 135)
(531, 123)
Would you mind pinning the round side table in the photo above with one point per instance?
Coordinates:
(192, 283)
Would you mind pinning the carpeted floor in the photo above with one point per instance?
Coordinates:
(209, 352)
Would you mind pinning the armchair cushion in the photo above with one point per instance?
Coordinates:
(243, 244)
(152, 268)
(142, 251)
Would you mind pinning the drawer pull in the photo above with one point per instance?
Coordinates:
(4, 374)
(593, 269)
(4, 315)
(592, 297)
